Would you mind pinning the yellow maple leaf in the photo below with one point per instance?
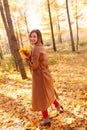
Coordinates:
(25, 52)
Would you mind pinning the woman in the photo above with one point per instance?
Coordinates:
(43, 94)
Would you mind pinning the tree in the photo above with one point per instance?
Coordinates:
(26, 23)
(54, 46)
(70, 28)
(11, 37)
(78, 15)
(59, 35)
(1, 54)
(77, 26)
(20, 35)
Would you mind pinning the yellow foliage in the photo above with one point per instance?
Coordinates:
(25, 52)
(69, 72)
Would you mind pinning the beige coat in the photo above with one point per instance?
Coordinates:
(43, 93)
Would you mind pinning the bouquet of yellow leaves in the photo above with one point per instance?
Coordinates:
(25, 53)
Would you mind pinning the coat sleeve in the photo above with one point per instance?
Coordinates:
(35, 58)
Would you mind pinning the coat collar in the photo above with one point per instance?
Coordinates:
(38, 44)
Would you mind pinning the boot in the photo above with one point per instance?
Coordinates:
(59, 109)
(46, 121)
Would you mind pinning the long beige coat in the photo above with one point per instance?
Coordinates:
(43, 93)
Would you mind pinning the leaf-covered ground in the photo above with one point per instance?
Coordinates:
(69, 72)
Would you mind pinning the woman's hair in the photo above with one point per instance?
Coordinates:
(39, 35)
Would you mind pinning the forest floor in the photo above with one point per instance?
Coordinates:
(69, 73)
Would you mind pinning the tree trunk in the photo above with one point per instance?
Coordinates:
(1, 54)
(26, 25)
(59, 36)
(70, 28)
(54, 45)
(77, 28)
(11, 38)
(20, 35)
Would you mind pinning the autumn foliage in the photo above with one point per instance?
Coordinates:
(69, 73)
(25, 52)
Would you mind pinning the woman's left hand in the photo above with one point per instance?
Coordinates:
(28, 62)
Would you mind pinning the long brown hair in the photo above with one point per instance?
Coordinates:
(39, 35)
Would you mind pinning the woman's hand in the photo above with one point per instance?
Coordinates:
(28, 62)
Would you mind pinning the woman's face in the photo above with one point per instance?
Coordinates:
(33, 38)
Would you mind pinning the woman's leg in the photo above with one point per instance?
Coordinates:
(56, 104)
(45, 113)
(46, 120)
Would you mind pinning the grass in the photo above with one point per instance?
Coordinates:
(7, 63)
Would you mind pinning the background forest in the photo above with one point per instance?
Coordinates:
(27, 15)
(64, 29)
